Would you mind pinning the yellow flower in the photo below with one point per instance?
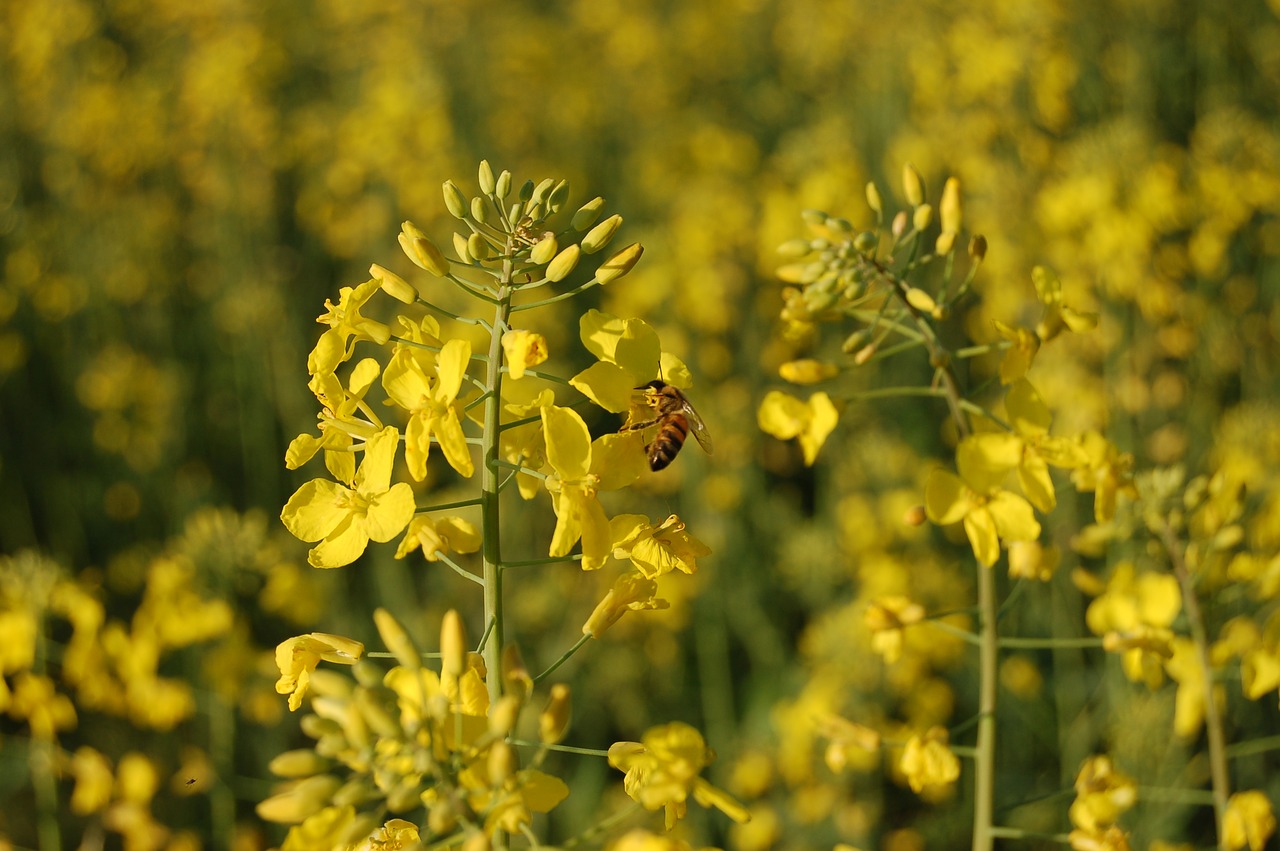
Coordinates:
(395, 835)
(631, 592)
(94, 781)
(298, 657)
(1102, 795)
(446, 535)
(848, 743)
(433, 406)
(887, 618)
(523, 350)
(1134, 615)
(1030, 418)
(582, 469)
(1105, 470)
(346, 326)
(1057, 316)
(524, 445)
(629, 354)
(1249, 821)
(656, 550)
(511, 805)
(784, 416)
(338, 421)
(1023, 346)
(345, 520)
(1107, 839)
(989, 512)
(808, 371)
(928, 762)
(36, 699)
(663, 769)
(18, 629)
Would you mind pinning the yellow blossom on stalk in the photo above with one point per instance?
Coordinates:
(446, 535)
(632, 592)
(1259, 671)
(94, 781)
(432, 405)
(1106, 471)
(1102, 794)
(346, 326)
(343, 519)
(18, 630)
(36, 700)
(887, 618)
(1030, 418)
(582, 469)
(989, 512)
(297, 657)
(848, 743)
(808, 371)
(663, 769)
(395, 835)
(1057, 315)
(656, 550)
(1134, 615)
(929, 764)
(629, 354)
(1022, 349)
(784, 416)
(524, 445)
(338, 420)
(1184, 667)
(523, 350)
(509, 803)
(1249, 821)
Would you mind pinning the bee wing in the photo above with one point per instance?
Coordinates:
(698, 427)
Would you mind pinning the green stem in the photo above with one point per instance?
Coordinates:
(1219, 779)
(561, 297)
(985, 758)
(490, 489)
(45, 784)
(568, 654)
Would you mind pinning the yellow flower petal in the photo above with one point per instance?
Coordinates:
(608, 385)
(568, 442)
(945, 499)
(629, 343)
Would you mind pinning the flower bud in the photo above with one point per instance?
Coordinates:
(598, 237)
(978, 247)
(866, 242)
(424, 254)
(377, 713)
(914, 516)
(516, 679)
(945, 242)
(794, 248)
(912, 185)
(453, 644)
(807, 371)
(865, 354)
(454, 201)
(553, 723)
(393, 285)
(900, 222)
(502, 762)
(855, 341)
(478, 246)
(526, 191)
(873, 198)
(460, 248)
(487, 184)
(479, 209)
(542, 191)
(920, 300)
(302, 799)
(564, 263)
(619, 264)
(949, 212)
(587, 214)
(503, 186)
(303, 762)
(922, 216)
(396, 639)
(544, 249)
(558, 196)
(503, 715)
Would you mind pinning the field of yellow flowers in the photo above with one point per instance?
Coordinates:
(960, 320)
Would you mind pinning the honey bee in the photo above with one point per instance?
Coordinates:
(663, 405)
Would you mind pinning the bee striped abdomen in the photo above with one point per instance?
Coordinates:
(666, 444)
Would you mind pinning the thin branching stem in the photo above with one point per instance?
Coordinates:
(568, 654)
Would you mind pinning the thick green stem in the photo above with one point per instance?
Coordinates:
(985, 756)
(490, 489)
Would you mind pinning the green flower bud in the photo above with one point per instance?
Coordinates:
(912, 185)
(813, 217)
(598, 237)
(619, 264)
(378, 713)
(543, 190)
(424, 254)
(478, 246)
(866, 242)
(558, 196)
(479, 209)
(503, 186)
(564, 263)
(460, 248)
(487, 184)
(544, 249)
(454, 201)
(978, 247)
(794, 248)
(587, 214)
(526, 191)
(839, 225)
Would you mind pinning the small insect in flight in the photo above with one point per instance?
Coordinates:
(663, 405)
